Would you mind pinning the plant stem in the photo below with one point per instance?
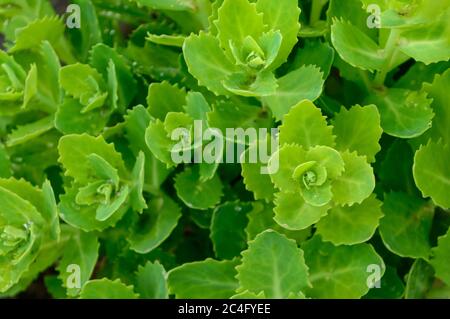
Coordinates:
(316, 10)
(389, 51)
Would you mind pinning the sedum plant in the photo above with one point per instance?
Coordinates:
(115, 174)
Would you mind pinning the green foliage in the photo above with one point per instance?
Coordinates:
(115, 181)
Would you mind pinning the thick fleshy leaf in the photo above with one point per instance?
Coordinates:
(204, 279)
(315, 52)
(137, 199)
(429, 43)
(228, 229)
(406, 225)
(355, 47)
(80, 254)
(419, 280)
(305, 83)
(404, 113)
(107, 289)
(289, 157)
(339, 272)
(294, 213)
(306, 126)
(441, 256)
(207, 62)
(196, 193)
(358, 129)
(236, 20)
(285, 19)
(356, 182)
(154, 225)
(163, 98)
(75, 149)
(151, 282)
(273, 264)
(432, 172)
(349, 225)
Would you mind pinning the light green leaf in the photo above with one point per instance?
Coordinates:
(165, 39)
(294, 213)
(196, 193)
(358, 129)
(107, 289)
(349, 225)
(159, 143)
(207, 62)
(27, 132)
(339, 272)
(429, 43)
(228, 229)
(440, 258)
(305, 125)
(404, 113)
(315, 52)
(289, 158)
(406, 225)
(31, 36)
(285, 19)
(80, 254)
(137, 200)
(171, 5)
(150, 281)
(75, 149)
(356, 182)
(136, 122)
(238, 19)
(204, 279)
(154, 225)
(432, 172)
(273, 264)
(163, 98)
(355, 47)
(246, 85)
(305, 83)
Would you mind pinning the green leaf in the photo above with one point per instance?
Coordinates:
(305, 83)
(24, 133)
(163, 98)
(339, 272)
(238, 19)
(80, 254)
(107, 289)
(75, 149)
(289, 158)
(195, 193)
(172, 5)
(429, 43)
(349, 225)
(294, 213)
(437, 91)
(358, 129)
(419, 280)
(207, 62)
(70, 120)
(440, 258)
(404, 113)
(136, 197)
(154, 225)
(164, 39)
(136, 122)
(406, 225)
(356, 182)
(273, 264)
(315, 52)
(246, 85)
(391, 286)
(305, 125)
(31, 36)
(151, 282)
(5, 163)
(432, 172)
(285, 19)
(355, 47)
(159, 142)
(204, 279)
(228, 229)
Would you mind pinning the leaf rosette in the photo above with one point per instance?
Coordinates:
(28, 220)
(100, 187)
(312, 172)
